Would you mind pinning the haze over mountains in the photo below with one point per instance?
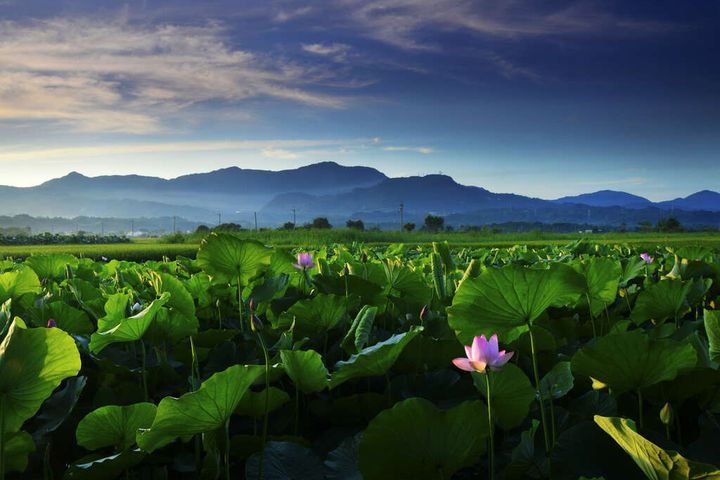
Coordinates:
(335, 191)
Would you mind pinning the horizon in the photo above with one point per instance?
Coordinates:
(542, 100)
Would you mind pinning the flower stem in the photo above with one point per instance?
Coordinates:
(539, 393)
(491, 438)
(240, 305)
(227, 449)
(640, 408)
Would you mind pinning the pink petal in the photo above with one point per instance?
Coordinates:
(463, 364)
(479, 348)
(502, 358)
(493, 347)
(468, 351)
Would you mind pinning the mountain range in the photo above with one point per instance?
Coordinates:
(337, 192)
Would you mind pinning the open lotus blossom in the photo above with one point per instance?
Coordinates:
(646, 258)
(483, 354)
(304, 261)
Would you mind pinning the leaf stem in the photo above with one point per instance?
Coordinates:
(227, 449)
(143, 353)
(267, 403)
(640, 408)
(539, 392)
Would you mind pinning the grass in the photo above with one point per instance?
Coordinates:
(155, 249)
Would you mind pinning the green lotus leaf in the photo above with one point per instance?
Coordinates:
(633, 267)
(506, 300)
(314, 315)
(114, 426)
(358, 335)
(631, 361)
(17, 283)
(33, 362)
(655, 463)
(661, 301)
(558, 381)
(415, 439)
(227, 257)
(405, 283)
(342, 463)
(602, 277)
(711, 319)
(16, 448)
(104, 467)
(70, 319)
(204, 410)
(177, 320)
(285, 461)
(114, 329)
(374, 360)
(512, 394)
(52, 265)
(523, 457)
(252, 403)
(306, 369)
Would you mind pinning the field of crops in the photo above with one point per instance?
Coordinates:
(348, 362)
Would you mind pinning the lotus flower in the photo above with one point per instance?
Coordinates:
(304, 261)
(646, 258)
(483, 354)
(51, 323)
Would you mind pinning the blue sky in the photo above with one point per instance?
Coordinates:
(538, 98)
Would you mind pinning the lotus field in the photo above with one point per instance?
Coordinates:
(353, 362)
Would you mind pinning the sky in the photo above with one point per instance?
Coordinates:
(544, 99)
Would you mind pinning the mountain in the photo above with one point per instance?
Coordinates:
(703, 200)
(198, 196)
(338, 192)
(607, 198)
(439, 194)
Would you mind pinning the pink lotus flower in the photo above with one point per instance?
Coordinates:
(482, 355)
(646, 258)
(304, 261)
(51, 323)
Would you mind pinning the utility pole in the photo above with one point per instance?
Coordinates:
(402, 216)
(174, 222)
(255, 213)
(294, 221)
(102, 229)
(132, 228)
(219, 218)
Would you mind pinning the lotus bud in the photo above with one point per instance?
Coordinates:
(51, 323)
(136, 308)
(666, 414)
(256, 324)
(252, 305)
(424, 313)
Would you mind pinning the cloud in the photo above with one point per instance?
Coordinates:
(279, 148)
(402, 23)
(279, 153)
(119, 77)
(423, 150)
(337, 51)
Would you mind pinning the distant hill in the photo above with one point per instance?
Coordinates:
(703, 200)
(607, 198)
(198, 197)
(439, 194)
(336, 191)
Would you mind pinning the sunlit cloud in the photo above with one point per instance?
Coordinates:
(423, 150)
(117, 77)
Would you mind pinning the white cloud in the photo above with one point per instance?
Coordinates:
(398, 22)
(337, 51)
(279, 153)
(423, 150)
(118, 77)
